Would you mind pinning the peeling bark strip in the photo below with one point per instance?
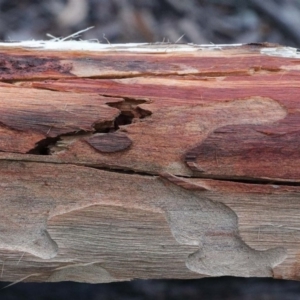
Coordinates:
(148, 161)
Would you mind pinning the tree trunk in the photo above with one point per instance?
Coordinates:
(148, 161)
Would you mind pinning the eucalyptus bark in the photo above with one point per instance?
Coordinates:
(148, 161)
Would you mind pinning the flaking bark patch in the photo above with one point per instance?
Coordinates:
(109, 142)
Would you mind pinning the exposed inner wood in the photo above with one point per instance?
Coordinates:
(119, 164)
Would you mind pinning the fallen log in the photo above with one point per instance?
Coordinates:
(148, 161)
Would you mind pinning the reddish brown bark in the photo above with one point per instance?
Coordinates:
(127, 164)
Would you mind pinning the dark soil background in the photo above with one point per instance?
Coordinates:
(182, 21)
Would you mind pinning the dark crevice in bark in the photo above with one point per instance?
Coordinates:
(43, 146)
(255, 181)
(248, 180)
(124, 170)
(129, 113)
(121, 170)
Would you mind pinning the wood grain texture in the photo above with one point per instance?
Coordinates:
(149, 161)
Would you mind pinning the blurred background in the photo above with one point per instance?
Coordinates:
(121, 21)
(188, 21)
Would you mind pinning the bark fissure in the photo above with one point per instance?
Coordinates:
(129, 112)
(251, 181)
(256, 181)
